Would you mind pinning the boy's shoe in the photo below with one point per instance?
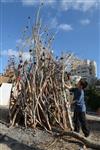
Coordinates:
(82, 147)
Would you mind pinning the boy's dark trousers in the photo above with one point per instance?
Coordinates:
(79, 119)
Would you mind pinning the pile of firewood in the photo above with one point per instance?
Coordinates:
(38, 96)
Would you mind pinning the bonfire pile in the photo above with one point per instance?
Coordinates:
(38, 96)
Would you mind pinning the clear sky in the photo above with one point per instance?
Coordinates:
(77, 23)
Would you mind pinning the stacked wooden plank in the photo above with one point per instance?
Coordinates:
(38, 96)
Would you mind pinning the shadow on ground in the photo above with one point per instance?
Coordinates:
(13, 144)
(94, 125)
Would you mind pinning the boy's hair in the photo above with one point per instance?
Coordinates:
(83, 83)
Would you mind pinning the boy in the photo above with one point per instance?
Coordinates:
(79, 107)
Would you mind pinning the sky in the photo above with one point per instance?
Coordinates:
(76, 24)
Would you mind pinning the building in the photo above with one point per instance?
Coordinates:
(86, 69)
(4, 79)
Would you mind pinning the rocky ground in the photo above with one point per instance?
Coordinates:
(19, 138)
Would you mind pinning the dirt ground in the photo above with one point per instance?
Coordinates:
(19, 138)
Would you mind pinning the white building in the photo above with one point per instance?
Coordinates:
(86, 69)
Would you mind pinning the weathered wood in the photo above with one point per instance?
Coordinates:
(38, 95)
(86, 141)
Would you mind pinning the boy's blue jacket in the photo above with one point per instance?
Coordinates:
(79, 99)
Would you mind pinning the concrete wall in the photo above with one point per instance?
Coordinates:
(5, 91)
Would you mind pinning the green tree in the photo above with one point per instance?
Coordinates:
(93, 98)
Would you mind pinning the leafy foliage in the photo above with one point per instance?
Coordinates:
(93, 98)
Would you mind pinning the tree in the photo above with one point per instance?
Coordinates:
(93, 98)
